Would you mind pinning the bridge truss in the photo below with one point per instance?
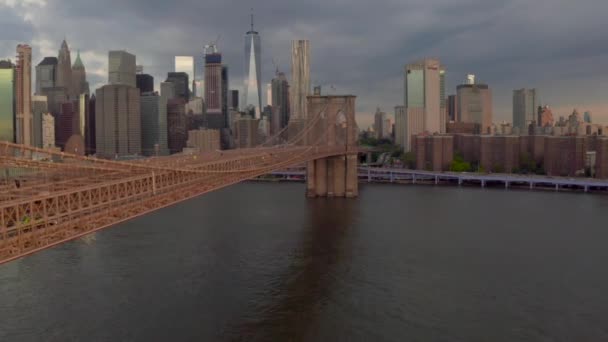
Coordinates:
(49, 197)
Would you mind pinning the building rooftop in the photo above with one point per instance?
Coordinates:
(78, 62)
(49, 61)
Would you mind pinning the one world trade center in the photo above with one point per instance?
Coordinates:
(253, 90)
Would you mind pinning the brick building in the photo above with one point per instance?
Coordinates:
(433, 152)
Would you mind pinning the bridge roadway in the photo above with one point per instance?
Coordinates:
(417, 176)
(47, 198)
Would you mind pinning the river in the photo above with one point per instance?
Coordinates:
(260, 262)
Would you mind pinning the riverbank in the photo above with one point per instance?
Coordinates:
(414, 177)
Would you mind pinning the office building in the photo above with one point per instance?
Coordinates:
(214, 87)
(79, 77)
(300, 78)
(66, 124)
(269, 94)
(247, 132)
(82, 114)
(48, 130)
(185, 64)
(280, 98)
(199, 76)
(145, 83)
(475, 105)
(64, 69)
(118, 120)
(253, 79)
(400, 126)
(153, 125)
(451, 107)
(204, 140)
(23, 95)
(224, 96)
(525, 104)
(39, 108)
(55, 96)
(424, 99)
(122, 69)
(90, 133)
(233, 99)
(177, 132)
(46, 74)
(181, 81)
(379, 123)
(7, 101)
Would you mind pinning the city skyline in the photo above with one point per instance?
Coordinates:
(458, 34)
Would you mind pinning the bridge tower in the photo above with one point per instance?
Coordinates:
(334, 176)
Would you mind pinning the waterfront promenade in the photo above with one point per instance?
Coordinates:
(392, 175)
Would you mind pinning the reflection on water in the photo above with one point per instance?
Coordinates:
(306, 286)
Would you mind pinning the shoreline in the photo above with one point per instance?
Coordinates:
(539, 186)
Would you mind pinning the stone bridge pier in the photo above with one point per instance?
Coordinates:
(334, 176)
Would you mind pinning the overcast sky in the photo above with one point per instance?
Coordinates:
(359, 46)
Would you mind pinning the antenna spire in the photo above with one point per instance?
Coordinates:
(252, 19)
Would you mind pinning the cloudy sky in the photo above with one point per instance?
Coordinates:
(359, 46)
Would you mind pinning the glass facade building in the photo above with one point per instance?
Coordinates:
(424, 99)
(253, 81)
(525, 104)
(7, 102)
(186, 64)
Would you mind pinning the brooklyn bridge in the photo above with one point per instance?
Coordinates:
(49, 197)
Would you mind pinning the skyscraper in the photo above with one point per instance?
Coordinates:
(199, 76)
(23, 92)
(424, 99)
(269, 94)
(121, 68)
(79, 77)
(145, 83)
(46, 74)
(475, 105)
(153, 125)
(39, 108)
(280, 98)
(177, 135)
(379, 124)
(451, 107)
(400, 126)
(224, 96)
(214, 89)
(233, 99)
(7, 101)
(185, 64)
(64, 69)
(300, 78)
(525, 104)
(66, 124)
(181, 81)
(117, 121)
(90, 135)
(253, 81)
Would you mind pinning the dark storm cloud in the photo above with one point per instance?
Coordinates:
(358, 46)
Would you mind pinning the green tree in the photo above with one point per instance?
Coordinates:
(459, 165)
